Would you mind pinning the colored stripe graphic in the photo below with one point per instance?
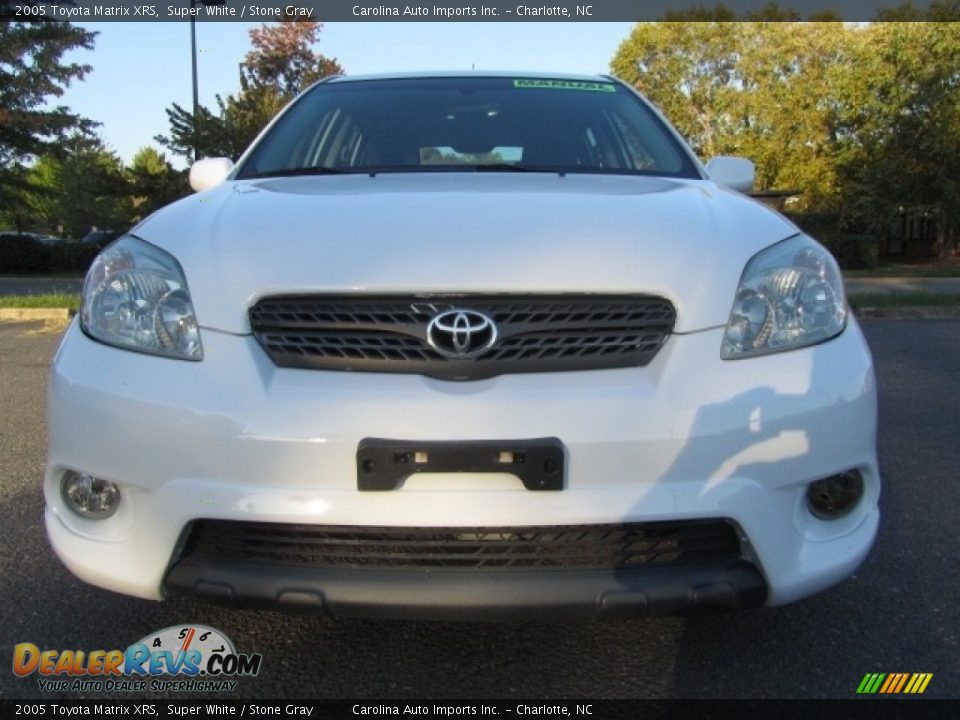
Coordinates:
(870, 683)
(894, 683)
(892, 680)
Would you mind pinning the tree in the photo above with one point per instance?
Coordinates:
(759, 89)
(900, 130)
(280, 64)
(215, 134)
(864, 120)
(792, 76)
(85, 186)
(688, 69)
(282, 57)
(154, 182)
(32, 71)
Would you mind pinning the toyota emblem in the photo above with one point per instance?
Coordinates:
(460, 334)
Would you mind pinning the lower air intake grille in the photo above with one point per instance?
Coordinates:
(536, 333)
(546, 547)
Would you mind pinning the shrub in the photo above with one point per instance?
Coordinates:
(23, 255)
(852, 251)
(817, 224)
(852, 246)
(72, 257)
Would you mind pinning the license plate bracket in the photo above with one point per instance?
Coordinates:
(384, 464)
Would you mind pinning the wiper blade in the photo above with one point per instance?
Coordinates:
(373, 170)
(503, 167)
(288, 172)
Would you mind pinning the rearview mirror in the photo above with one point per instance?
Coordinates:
(734, 172)
(209, 172)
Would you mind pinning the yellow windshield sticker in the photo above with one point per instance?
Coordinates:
(564, 85)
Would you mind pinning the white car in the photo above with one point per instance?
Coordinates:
(458, 345)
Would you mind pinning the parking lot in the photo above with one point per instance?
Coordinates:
(899, 613)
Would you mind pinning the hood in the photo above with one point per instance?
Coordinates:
(685, 240)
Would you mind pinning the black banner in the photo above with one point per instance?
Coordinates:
(489, 708)
(470, 11)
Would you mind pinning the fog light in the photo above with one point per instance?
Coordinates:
(835, 496)
(89, 496)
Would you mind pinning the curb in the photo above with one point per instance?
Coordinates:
(910, 312)
(35, 314)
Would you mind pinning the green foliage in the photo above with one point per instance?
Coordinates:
(899, 129)
(861, 119)
(758, 89)
(32, 72)
(84, 186)
(853, 251)
(818, 223)
(217, 135)
(153, 182)
(854, 246)
(282, 58)
(55, 175)
(280, 64)
(70, 301)
(17, 196)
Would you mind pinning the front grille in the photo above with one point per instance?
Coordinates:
(464, 548)
(534, 333)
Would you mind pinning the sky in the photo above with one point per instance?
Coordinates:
(139, 69)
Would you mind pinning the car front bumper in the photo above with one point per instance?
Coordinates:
(689, 436)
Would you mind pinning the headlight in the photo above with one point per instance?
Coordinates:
(790, 296)
(135, 297)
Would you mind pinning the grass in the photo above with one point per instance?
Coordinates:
(902, 299)
(50, 300)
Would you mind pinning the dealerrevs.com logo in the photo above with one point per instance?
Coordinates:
(178, 658)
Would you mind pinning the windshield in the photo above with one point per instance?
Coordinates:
(468, 124)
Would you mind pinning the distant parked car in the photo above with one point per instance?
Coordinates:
(47, 240)
(50, 240)
(15, 235)
(100, 238)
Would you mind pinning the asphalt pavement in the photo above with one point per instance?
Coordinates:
(899, 613)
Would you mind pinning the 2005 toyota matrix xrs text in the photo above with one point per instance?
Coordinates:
(475, 345)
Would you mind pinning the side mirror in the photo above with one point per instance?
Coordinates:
(734, 172)
(209, 172)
